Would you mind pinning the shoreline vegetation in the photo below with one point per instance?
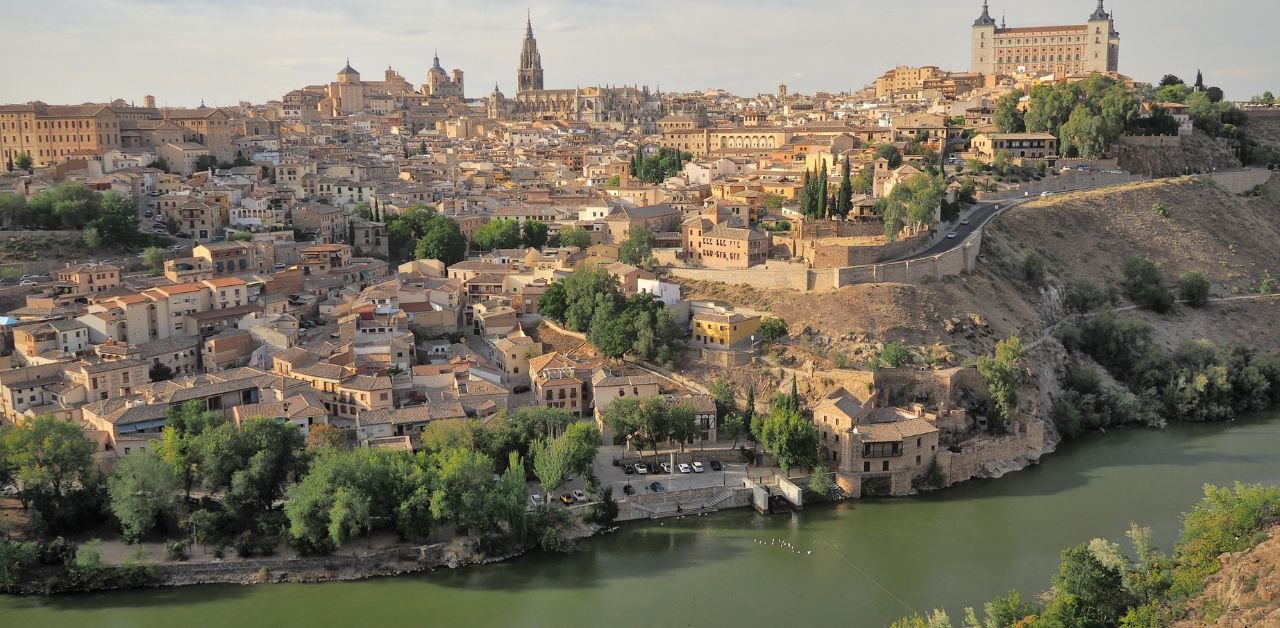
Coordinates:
(1099, 584)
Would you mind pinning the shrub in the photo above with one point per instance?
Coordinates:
(1145, 286)
(895, 355)
(175, 550)
(1083, 297)
(1193, 287)
(1160, 210)
(1033, 269)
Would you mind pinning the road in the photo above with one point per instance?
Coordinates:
(978, 216)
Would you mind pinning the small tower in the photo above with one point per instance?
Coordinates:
(149, 101)
(983, 57)
(782, 91)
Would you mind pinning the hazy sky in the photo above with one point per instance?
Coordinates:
(223, 51)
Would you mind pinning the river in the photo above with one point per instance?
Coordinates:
(862, 563)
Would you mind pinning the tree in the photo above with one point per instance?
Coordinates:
(821, 483)
(551, 464)
(117, 220)
(23, 161)
(1170, 79)
(1007, 117)
(1083, 134)
(722, 393)
(1193, 287)
(180, 446)
(1086, 591)
(791, 438)
(773, 328)
(325, 437)
(637, 247)
(153, 257)
(734, 427)
(645, 423)
(610, 332)
(895, 355)
(143, 491)
(1215, 94)
(441, 240)
(53, 461)
(891, 153)
(502, 233)
(1001, 374)
(844, 200)
(575, 236)
(1145, 286)
(204, 163)
(533, 233)
(462, 478)
(160, 164)
(580, 442)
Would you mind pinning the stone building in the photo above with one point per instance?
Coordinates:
(441, 85)
(1074, 49)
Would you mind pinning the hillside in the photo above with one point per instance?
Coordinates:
(1245, 593)
(1081, 236)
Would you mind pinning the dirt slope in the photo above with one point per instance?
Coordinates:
(1245, 593)
(1233, 240)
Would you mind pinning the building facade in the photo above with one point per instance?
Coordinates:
(1073, 49)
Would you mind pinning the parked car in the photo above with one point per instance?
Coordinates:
(536, 500)
(578, 496)
(10, 491)
(666, 467)
(27, 282)
(642, 468)
(628, 469)
(716, 466)
(520, 389)
(697, 467)
(627, 489)
(953, 235)
(657, 487)
(147, 213)
(684, 468)
(566, 499)
(279, 266)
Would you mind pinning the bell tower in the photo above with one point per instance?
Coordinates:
(529, 76)
(983, 57)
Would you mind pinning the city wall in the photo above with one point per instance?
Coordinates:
(996, 457)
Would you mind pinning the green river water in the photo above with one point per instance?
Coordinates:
(862, 563)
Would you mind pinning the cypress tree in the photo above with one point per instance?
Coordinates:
(845, 203)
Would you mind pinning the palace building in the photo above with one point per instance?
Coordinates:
(619, 105)
(1074, 49)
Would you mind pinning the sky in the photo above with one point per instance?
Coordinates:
(223, 51)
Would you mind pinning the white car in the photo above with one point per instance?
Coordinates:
(536, 500)
(1043, 194)
(26, 282)
(953, 235)
(965, 221)
(697, 467)
(684, 468)
(666, 467)
(642, 468)
(579, 496)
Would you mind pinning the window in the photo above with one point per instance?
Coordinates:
(884, 466)
(866, 467)
(917, 460)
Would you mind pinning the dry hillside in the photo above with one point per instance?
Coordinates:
(1245, 593)
(1231, 239)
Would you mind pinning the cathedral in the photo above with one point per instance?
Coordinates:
(621, 106)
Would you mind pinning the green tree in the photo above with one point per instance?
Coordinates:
(1084, 134)
(143, 491)
(204, 163)
(179, 445)
(23, 161)
(497, 234)
(1193, 287)
(1008, 118)
(1087, 593)
(325, 437)
(53, 461)
(610, 333)
(153, 257)
(791, 438)
(441, 240)
(551, 464)
(580, 442)
(895, 355)
(722, 393)
(1001, 374)
(821, 483)
(1033, 269)
(533, 233)
(462, 479)
(1144, 285)
(773, 328)
(637, 247)
(734, 426)
(575, 236)
(890, 153)
(844, 199)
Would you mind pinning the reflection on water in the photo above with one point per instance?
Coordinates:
(856, 563)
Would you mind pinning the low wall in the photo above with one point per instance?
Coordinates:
(996, 457)
(333, 567)
(644, 506)
(763, 277)
(727, 359)
(1241, 181)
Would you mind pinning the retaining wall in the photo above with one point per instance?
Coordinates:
(994, 458)
(688, 500)
(1241, 181)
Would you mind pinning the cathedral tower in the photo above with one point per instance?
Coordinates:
(529, 76)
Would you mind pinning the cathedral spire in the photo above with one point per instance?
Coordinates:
(528, 23)
(1100, 13)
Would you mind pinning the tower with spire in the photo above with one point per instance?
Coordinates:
(529, 75)
(983, 59)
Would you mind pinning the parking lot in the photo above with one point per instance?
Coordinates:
(731, 473)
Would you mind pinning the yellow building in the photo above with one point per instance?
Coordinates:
(725, 328)
(1073, 49)
(50, 133)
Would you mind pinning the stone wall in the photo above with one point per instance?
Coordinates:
(1241, 181)
(726, 358)
(994, 458)
(796, 278)
(645, 505)
(304, 569)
